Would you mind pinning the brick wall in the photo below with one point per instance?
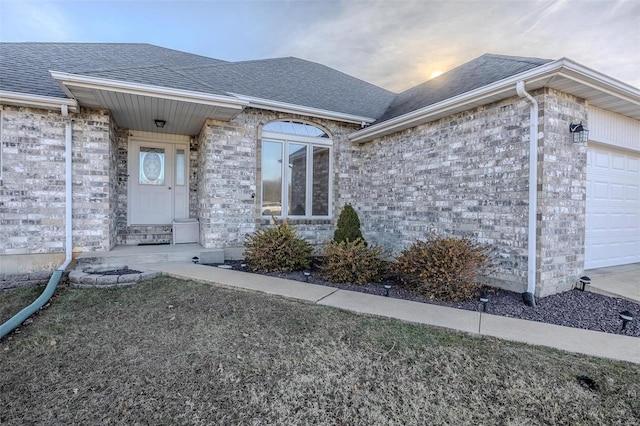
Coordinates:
(32, 195)
(467, 175)
(226, 181)
(93, 159)
(562, 167)
(229, 174)
(463, 175)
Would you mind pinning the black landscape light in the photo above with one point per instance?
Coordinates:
(583, 281)
(195, 259)
(626, 316)
(307, 274)
(387, 287)
(484, 298)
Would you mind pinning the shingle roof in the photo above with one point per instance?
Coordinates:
(25, 69)
(298, 82)
(25, 66)
(477, 73)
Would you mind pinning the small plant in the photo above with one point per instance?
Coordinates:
(352, 262)
(277, 249)
(348, 228)
(444, 268)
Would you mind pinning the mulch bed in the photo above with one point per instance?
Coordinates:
(573, 308)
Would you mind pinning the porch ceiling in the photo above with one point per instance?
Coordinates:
(136, 107)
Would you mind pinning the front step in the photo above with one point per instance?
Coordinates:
(139, 255)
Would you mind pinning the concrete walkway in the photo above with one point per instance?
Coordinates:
(618, 281)
(606, 345)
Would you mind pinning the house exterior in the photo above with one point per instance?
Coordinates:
(156, 135)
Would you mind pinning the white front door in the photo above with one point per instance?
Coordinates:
(158, 184)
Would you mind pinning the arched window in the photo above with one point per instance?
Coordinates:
(296, 170)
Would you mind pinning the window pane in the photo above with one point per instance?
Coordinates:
(295, 128)
(151, 166)
(297, 183)
(180, 167)
(320, 184)
(271, 178)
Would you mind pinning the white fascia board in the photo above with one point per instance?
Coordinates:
(97, 83)
(564, 67)
(36, 101)
(302, 110)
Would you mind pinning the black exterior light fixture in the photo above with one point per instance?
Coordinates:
(160, 123)
(195, 259)
(387, 287)
(583, 281)
(306, 274)
(626, 316)
(484, 298)
(579, 132)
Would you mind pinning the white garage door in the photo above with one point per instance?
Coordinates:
(613, 208)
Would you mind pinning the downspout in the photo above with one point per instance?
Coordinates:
(15, 321)
(529, 296)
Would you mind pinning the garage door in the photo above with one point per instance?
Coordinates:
(613, 208)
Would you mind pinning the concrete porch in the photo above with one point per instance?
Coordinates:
(123, 255)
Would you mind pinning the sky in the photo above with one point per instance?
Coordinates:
(394, 44)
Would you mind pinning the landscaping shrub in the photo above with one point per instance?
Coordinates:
(352, 262)
(444, 268)
(348, 228)
(277, 249)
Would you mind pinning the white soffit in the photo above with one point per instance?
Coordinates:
(136, 106)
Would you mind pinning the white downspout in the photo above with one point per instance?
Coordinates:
(68, 189)
(529, 296)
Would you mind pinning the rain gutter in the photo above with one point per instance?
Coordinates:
(289, 108)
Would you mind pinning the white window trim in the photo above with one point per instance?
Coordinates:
(285, 139)
(276, 137)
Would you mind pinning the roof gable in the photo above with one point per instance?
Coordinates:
(477, 73)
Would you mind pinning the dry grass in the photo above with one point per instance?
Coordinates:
(178, 352)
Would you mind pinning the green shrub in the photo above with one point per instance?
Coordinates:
(348, 228)
(444, 268)
(352, 262)
(277, 249)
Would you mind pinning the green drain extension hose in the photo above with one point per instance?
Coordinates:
(21, 316)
